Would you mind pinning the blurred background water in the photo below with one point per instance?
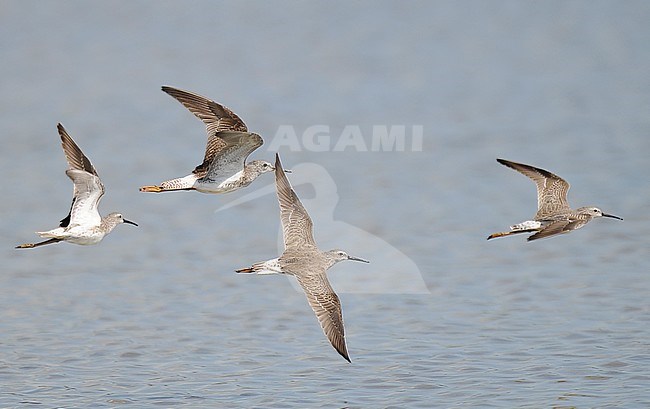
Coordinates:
(155, 315)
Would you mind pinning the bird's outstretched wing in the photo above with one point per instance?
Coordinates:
(327, 307)
(296, 223)
(551, 189)
(88, 188)
(216, 117)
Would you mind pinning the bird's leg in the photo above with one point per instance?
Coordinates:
(508, 233)
(42, 243)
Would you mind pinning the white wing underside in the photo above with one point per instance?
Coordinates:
(88, 190)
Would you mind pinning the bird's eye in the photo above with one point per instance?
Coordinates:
(595, 210)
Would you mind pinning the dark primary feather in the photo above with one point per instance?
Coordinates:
(216, 117)
(65, 222)
(73, 154)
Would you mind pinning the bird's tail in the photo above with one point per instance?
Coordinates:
(264, 267)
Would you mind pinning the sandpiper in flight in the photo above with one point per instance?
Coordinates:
(554, 216)
(83, 225)
(224, 166)
(303, 260)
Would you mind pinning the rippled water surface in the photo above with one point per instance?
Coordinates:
(156, 316)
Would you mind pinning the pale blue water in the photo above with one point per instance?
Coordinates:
(156, 316)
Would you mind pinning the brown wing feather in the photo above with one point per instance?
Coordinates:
(551, 189)
(552, 229)
(214, 146)
(73, 154)
(327, 307)
(232, 158)
(216, 117)
(296, 223)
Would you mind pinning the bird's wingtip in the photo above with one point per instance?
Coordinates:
(278, 164)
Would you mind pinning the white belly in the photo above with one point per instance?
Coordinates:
(77, 235)
(232, 183)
